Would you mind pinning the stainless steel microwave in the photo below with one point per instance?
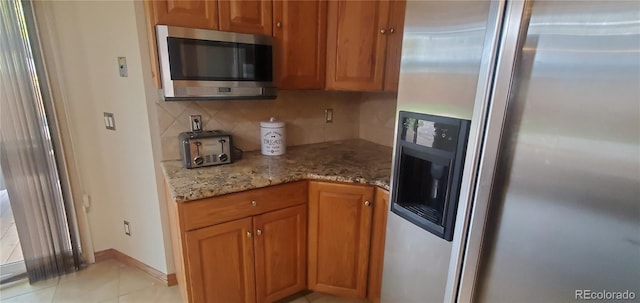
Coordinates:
(198, 64)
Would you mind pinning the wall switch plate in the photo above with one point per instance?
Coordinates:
(328, 115)
(196, 123)
(109, 121)
(127, 228)
(122, 66)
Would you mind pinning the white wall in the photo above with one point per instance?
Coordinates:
(117, 168)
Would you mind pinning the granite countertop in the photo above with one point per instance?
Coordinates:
(353, 161)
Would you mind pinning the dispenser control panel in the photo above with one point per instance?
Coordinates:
(430, 134)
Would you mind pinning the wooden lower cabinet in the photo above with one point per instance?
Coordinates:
(220, 259)
(281, 253)
(266, 244)
(255, 259)
(378, 236)
(243, 247)
(340, 218)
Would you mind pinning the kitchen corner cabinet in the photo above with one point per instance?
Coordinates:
(340, 218)
(364, 39)
(300, 43)
(242, 247)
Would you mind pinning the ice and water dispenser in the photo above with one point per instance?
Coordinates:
(429, 159)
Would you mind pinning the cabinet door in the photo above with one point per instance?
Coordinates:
(378, 232)
(281, 253)
(300, 43)
(221, 262)
(339, 238)
(356, 44)
(394, 44)
(186, 13)
(245, 16)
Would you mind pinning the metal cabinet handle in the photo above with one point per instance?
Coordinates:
(254, 203)
(249, 234)
(367, 203)
(383, 31)
(259, 232)
(278, 24)
(392, 30)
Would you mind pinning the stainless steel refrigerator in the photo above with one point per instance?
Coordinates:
(549, 203)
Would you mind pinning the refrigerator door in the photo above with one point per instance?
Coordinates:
(441, 60)
(563, 211)
(441, 53)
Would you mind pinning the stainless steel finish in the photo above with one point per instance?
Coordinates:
(392, 30)
(367, 203)
(205, 34)
(205, 148)
(278, 24)
(383, 31)
(214, 92)
(185, 90)
(216, 84)
(249, 235)
(472, 160)
(259, 232)
(563, 205)
(489, 145)
(254, 203)
(441, 55)
(162, 33)
(441, 52)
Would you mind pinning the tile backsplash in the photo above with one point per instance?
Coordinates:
(377, 117)
(302, 111)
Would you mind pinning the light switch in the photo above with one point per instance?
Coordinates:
(122, 66)
(328, 115)
(109, 121)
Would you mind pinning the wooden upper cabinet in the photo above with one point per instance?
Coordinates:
(300, 43)
(246, 16)
(364, 42)
(220, 261)
(186, 13)
(339, 238)
(281, 253)
(394, 44)
(356, 42)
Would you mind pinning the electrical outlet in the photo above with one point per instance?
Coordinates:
(122, 66)
(109, 121)
(196, 123)
(127, 228)
(328, 115)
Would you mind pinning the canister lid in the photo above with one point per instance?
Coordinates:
(272, 123)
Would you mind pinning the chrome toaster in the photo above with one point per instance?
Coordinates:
(205, 148)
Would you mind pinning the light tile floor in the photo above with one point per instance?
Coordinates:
(113, 282)
(10, 250)
(107, 281)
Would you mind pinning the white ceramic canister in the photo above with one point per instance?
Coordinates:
(273, 137)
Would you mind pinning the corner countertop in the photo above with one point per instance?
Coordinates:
(352, 161)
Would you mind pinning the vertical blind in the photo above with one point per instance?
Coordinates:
(45, 220)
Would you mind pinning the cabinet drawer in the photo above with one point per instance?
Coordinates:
(210, 211)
